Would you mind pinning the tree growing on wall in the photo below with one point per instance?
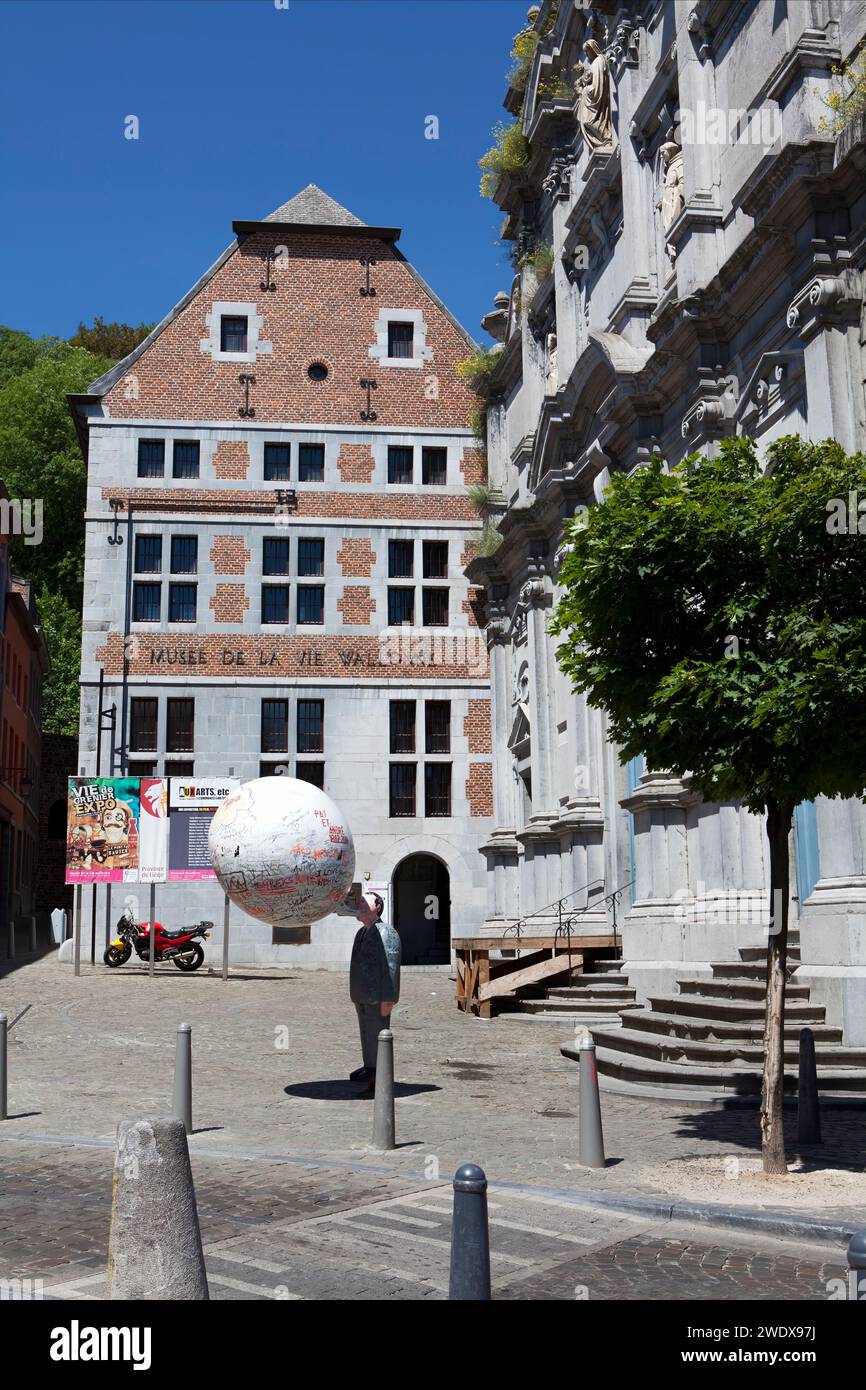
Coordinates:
(717, 613)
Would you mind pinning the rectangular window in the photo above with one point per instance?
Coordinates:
(275, 726)
(184, 554)
(233, 333)
(401, 559)
(401, 338)
(275, 603)
(311, 556)
(435, 559)
(311, 772)
(434, 467)
(311, 726)
(399, 464)
(143, 722)
(176, 769)
(148, 554)
(180, 717)
(146, 599)
(437, 726)
(437, 789)
(311, 604)
(311, 463)
(435, 605)
(151, 458)
(273, 769)
(181, 603)
(401, 607)
(185, 458)
(402, 789)
(275, 555)
(402, 731)
(277, 457)
(142, 769)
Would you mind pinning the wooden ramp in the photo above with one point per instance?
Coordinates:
(481, 982)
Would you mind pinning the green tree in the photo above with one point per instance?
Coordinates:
(19, 352)
(40, 460)
(718, 614)
(114, 340)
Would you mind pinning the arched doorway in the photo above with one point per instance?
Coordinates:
(422, 910)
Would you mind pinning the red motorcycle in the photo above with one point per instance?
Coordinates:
(178, 946)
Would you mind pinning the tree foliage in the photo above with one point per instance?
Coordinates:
(114, 340)
(721, 621)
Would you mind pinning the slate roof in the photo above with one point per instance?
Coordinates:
(315, 208)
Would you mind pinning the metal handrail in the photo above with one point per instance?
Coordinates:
(564, 927)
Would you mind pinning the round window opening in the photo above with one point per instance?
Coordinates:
(317, 371)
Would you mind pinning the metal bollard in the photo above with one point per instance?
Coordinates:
(591, 1137)
(808, 1110)
(470, 1238)
(383, 1103)
(857, 1267)
(4, 1109)
(182, 1105)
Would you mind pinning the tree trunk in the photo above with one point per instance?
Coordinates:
(773, 1089)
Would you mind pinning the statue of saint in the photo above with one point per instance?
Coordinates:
(672, 199)
(592, 85)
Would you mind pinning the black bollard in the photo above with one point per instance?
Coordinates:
(808, 1111)
(4, 1113)
(470, 1240)
(182, 1106)
(857, 1267)
(591, 1137)
(383, 1100)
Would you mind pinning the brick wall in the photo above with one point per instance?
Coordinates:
(473, 466)
(229, 603)
(355, 463)
(232, 459)
(365, 506)
(356, 557)
(356, 605)
(479, 789)
(476, 726)
(239, 654)
(316, 314)
(229, 555)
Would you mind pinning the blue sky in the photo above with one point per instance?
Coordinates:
(240, 105)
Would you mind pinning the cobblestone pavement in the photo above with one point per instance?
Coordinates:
(292, 1201)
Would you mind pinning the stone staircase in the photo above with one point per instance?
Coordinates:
(597, 994)
(706, 1042)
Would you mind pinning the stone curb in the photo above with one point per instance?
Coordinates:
(768, 1221)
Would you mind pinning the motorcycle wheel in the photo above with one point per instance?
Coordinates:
(117, 956)
(191, 959)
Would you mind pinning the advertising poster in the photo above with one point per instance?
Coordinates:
(153, 830)
(102, 830)
(193, 806)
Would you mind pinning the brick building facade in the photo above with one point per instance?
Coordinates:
(277, 526)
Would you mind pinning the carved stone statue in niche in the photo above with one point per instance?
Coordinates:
(551, 380)
(672, 199)
(592, 86)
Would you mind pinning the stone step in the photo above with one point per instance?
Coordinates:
(748, 970)
(647, 1020)
(696, 1051)
(738, 989)
(602, 967)
(568, 1007)
(585, 982)
(620, 991)
(705, 1007)
(585, 1019)
(705, 1079)
(752, 954)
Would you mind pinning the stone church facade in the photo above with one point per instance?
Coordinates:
(691, 252)
(277, 530)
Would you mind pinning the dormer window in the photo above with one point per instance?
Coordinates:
(233, 333)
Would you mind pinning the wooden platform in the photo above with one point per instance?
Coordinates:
(481, 982)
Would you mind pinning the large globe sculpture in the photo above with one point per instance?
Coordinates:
(282, 851)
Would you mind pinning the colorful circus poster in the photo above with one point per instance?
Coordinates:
(102, 830)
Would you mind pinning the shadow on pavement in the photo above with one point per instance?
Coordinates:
(349, 1090)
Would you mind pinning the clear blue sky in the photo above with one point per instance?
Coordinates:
(240, 105)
